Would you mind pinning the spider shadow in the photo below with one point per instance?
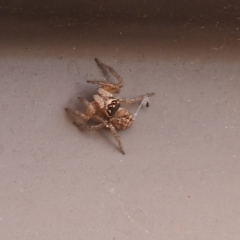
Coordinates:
(86, 91)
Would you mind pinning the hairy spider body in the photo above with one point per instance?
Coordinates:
(106, 109)
(122, 119)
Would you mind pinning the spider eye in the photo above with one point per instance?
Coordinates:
(112, 107)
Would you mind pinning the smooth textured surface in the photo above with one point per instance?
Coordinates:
(180, 176)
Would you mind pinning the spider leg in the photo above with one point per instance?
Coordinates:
(136, 99)
(99, 119)
(112, 71)
(107, 86)
(77, 113)
(101, 83)
(116, 136)
(84, 101)
(102, 123)
(90, 128)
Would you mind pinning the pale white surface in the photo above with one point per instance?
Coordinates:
(180, 176)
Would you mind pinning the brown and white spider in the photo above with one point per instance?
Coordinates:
(106, 109)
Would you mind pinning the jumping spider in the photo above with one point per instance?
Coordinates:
(106, 109)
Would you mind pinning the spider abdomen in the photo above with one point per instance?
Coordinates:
(122, 119)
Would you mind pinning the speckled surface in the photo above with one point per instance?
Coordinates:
(180, 176)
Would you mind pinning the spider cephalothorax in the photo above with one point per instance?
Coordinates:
(106, 109)
(112, 106)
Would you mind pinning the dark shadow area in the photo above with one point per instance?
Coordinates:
(126, 11)
(162, 29)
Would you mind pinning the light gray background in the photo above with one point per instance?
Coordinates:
(180, 177)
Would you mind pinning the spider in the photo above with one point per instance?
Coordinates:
(106, 109)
